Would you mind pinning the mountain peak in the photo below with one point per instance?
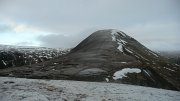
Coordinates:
(109, 55)
(112, 50)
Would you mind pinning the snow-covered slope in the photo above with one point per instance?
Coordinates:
(18, 89)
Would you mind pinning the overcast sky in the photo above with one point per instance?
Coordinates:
(64, 23)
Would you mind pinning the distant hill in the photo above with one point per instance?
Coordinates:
(173, 56)
(14, 56)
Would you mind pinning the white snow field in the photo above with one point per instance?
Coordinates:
(122, 73)
(19, 89)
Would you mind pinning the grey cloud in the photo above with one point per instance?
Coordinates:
(69, 18)
(57, 15)
(59, 41)
(63, 41)
(56, 41)
(158, 35)
(163, 46)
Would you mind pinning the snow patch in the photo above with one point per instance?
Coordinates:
(169, 69)
(176, 64)
(124, 42)
(153, 53)
(122, 73)
(120, 47)
(55, 63)
(143, 57)
(113, 36)
(147, 73)
(119, 42)
(124, 35)
(107, 80)
(4, 62)
(129, 51)
(123, 62)
(117, 31)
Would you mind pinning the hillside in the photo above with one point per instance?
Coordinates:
(106, 55)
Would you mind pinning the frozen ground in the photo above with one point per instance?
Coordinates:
(18, 89)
